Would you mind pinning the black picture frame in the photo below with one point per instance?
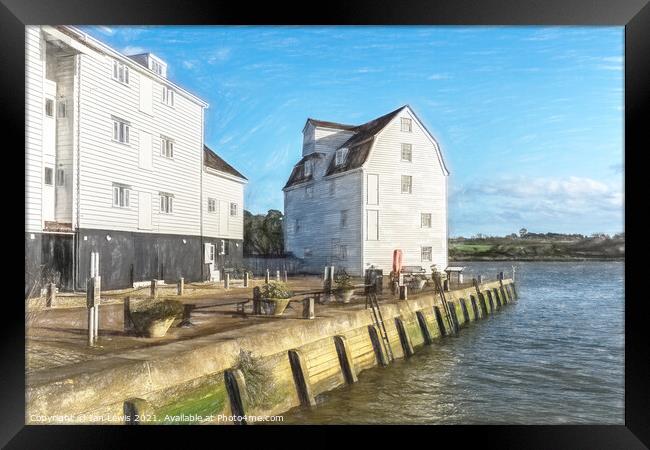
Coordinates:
(633, 14)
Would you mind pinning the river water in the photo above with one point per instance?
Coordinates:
(556, 356)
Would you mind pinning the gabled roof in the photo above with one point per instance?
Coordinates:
(358, 145)
(214, 161)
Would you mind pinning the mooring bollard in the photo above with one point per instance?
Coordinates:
(226, 281)
(403, 294)
(308, 308)
(245, 279)
(181, 286)
(267, 277)
(93, 290)
(154, 288)
(51, 294)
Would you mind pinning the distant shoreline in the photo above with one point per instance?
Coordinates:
(539, 259)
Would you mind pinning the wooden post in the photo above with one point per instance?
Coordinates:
(308, 308)
(256, 300)
(267, 277)
(480, 279)
(277, 275)
(514, 269)
(181, 286)
(246, 279)
(327, 284)
(187, 313)
(154, 289)
(128, 324)
(285, 276)
(226, 281)
(93, 289)
(51, 294)
(403, 294)
(326, 272)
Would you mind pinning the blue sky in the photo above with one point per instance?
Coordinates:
(530, 119)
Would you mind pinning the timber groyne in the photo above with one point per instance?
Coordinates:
(262, 370)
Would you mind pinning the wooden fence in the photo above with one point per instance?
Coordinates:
(258, 265)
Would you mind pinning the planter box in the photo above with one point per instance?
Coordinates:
(274, 306)
(344, 296)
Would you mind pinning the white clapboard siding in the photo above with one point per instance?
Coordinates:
(225, 190)
(320, 227)
(104, 162)
(34, 72)
(399, 214)
(324, 140)
(65, 78)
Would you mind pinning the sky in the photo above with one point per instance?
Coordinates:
(529, 119)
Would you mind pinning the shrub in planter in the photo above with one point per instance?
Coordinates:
(344, 288)
(275, 298)
(153, 318)
(418, 282)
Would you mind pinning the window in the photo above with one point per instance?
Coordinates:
(344, 218)
(121, 196)
(332, 188)
(306, 252)
(343, 252)
(307, 168)
(49, 107)
(426, 253)
(120, 72)
(309, 192)
(60, 177)
(212, 205)
(406, 184)
(211, 252)
(406, 125)
(222, 247)
(156, 67)
(48, 176)
(167, 96)
(373, 225)
(296, 228)
(121, 130)
(167, 147)
(406, 152)
(233, 209)
(60, 109)
(425, 220)
(166, 203)
(341, 154)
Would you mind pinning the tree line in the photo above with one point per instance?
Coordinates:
(263, 234)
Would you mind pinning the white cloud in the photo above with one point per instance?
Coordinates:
(219, 55)
(188, 64)
(106, 30)
(438, 76)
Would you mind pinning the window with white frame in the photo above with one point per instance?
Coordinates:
(425, 220)
(406, 124)
(344, 219)
(407, 150)
(60, 177)
(426, 253)
(307, 168)
(212, 205)
(407, 181)
(120, 72)
(167, 96)
(341, 155)
(49, 107)
(48, 176)
(166, 203)
(233, 209)
(121, 130)
(156, 67)
(166, 147)
(211, 252)
(121, 195)
(309, 192)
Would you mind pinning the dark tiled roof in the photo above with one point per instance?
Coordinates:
(326, 124)
(214, 161)
(298, 173)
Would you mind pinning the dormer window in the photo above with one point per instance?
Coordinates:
(307, 168)
(341, 155)
(156, 67)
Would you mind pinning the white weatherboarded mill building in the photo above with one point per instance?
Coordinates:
(115, 164)
(360, 192)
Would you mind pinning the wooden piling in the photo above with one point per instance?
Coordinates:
(226, 281)
(308, 311)
(154, 288)
(246, 280)
(180, 289)
(51, 294)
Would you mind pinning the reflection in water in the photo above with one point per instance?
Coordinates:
(556, 356)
